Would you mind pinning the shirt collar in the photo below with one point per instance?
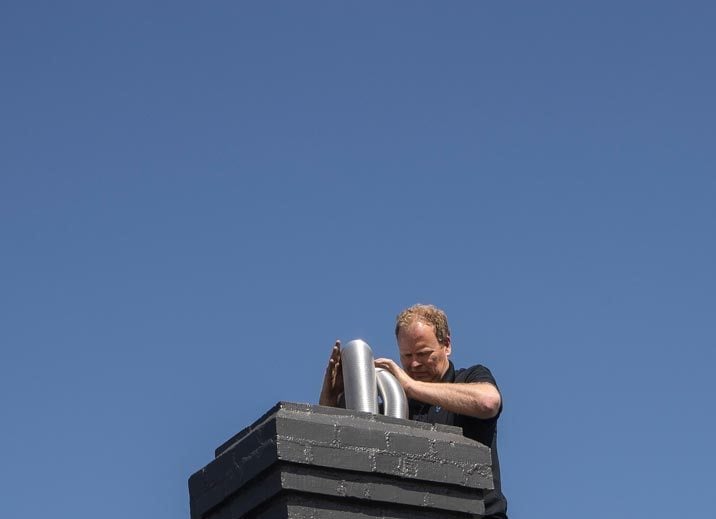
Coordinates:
(449, 375)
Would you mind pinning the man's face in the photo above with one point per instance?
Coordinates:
(421, 355)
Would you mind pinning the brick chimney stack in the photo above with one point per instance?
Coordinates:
(314, 462)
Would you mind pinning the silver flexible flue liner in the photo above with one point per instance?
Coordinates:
(395, 403)
(359, 380)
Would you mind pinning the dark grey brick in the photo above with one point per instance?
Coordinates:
(462, 452)
(408, 444)
(369, 437)
(438, 470)
(306, 429)
(297, 451)
(480, 476)
(344, 459)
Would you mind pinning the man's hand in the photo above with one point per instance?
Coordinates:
(333, 379)
(403, 378)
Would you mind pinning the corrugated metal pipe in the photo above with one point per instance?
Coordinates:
(363, 383)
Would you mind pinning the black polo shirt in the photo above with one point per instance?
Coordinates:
(483, 431)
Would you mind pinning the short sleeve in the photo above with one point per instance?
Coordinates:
(478, 373)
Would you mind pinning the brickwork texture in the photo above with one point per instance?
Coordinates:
(302, 461)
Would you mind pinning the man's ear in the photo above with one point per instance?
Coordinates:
(448, 346)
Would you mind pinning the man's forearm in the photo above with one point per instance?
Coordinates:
(478, 399)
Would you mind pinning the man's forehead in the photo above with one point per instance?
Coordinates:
(417, 339)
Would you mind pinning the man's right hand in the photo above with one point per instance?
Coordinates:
(333, 379)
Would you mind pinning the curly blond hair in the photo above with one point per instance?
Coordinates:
(427, 314)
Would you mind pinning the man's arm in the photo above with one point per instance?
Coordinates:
(478, 399)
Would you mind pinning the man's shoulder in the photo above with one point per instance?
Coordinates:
(476, 373)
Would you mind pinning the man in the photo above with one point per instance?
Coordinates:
(436, 391)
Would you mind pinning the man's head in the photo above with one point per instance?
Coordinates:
(424, 342)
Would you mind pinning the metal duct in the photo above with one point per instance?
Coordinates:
(362, 382)
(395, 403)
(360, 389)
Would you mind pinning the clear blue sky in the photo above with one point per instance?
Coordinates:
(197, 198)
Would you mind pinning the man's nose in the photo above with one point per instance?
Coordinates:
(414, 363)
